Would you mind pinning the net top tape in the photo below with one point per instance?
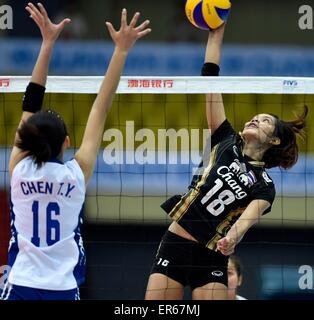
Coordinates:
(169, 85)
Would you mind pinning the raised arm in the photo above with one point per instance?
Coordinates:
(124, 40)
(248, 218)
(215, 110)
(34, 94)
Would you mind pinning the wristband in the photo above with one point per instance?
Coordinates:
(210, 69)
(33, 97)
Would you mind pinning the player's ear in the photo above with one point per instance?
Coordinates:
(67, 142)
(240, 281)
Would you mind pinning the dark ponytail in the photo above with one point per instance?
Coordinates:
(31, 140)
(285, 154)
(42, 136)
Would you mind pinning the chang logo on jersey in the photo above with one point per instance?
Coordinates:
(228, 174)
(244, 179)
(239, 168)
(235, 167)
(217, 273)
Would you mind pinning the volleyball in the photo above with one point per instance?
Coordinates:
(207, 14)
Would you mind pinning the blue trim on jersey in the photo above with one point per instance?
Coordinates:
(13, 245)
(14, 292)
(54, 160)
(80, 268)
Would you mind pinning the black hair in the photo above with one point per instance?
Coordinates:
(42, 136)
(285, 154)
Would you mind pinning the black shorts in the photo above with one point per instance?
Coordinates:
(189, 262)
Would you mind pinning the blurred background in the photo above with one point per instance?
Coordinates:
(124, 224)
(263, 38)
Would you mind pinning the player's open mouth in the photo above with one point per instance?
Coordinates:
(252, 125)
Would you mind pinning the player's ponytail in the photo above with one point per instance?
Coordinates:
(42, 136)
(34, 143)
(285, 154)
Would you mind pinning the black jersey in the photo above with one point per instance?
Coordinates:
(218, 196)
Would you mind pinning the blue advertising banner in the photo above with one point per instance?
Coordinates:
(159, 179)
(156, 59)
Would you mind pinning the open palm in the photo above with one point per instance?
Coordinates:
(49, 31)
(127, 35)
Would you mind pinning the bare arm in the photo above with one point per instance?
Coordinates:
(248, 218)
(124, 40)
(215, 110)
(50, 32)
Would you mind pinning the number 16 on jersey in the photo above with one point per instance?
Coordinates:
(51, 227)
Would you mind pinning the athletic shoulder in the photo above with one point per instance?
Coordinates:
(224, 131)
(264, 189)
(24, 165)
(74, 167)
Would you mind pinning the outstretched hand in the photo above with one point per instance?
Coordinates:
(126, 37)
(219, 32)
(49, 31)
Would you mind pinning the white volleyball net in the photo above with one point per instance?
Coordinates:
(155, 134)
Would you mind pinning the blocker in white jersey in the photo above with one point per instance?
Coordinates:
(46, 249)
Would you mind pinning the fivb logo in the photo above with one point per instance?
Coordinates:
(306, 19)
(290, 83)
(6, 17)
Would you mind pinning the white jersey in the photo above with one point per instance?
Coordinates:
(46, 250)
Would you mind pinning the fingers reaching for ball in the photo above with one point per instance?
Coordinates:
(128, 34)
